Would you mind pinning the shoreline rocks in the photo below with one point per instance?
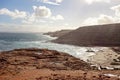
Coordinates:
(40, 59)
(44, 64)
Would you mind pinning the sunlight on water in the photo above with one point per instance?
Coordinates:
(42, 41)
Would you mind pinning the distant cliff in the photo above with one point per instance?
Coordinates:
(97, 35)
(58, 33)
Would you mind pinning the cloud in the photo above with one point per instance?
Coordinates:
(41, 14)
(33, 19)
(104, 19)
(52, 2)
(14, 14)
(58, 1)
(42, 11)
(93, 1)
(58, 17)
(117, 10)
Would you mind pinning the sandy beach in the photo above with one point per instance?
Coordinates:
(104, 58)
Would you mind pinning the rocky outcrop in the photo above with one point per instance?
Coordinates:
(44, 64)
(116, 49)
(20, 59)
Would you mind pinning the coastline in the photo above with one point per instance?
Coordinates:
(21, 64)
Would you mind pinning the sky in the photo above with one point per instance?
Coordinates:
(52, 15)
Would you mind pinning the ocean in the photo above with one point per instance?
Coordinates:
(10, 41)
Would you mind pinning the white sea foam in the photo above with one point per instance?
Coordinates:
(21, 41)
(112, 75)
